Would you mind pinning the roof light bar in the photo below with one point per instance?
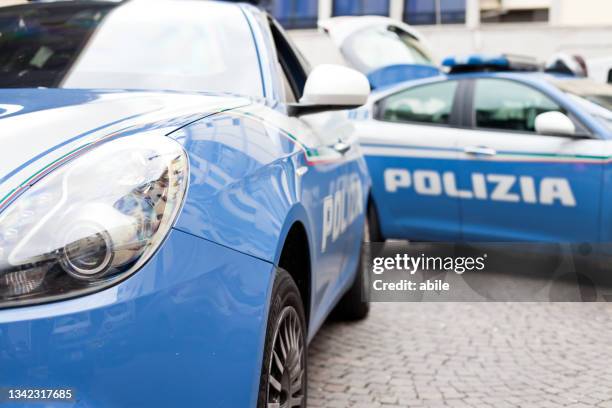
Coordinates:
(501, 62)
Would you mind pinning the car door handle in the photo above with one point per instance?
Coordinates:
(480, 151)
(342, 147)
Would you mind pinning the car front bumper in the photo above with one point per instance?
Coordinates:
(186, 330)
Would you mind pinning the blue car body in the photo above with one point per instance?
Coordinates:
(440, 176)
(394, 74)
(188, 327)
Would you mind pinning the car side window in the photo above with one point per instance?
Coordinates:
(509, 105)
(294, 67)
(432, 103)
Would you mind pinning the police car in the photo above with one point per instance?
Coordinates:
(495, 150)
(175, 221)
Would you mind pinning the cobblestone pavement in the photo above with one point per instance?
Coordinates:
(466, 355)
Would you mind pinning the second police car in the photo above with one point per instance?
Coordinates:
(490, 152)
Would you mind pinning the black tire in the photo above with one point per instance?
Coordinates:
(355, 304)
(284, 369)
(375, 233)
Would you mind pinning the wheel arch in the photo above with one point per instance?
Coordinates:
(294, 254)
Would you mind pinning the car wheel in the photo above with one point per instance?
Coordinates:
(284, 370)
(374, 224)
(355, 304)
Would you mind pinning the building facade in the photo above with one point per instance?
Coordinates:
(304, 13)
(537, 28)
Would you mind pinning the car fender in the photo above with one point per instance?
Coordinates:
(243, 190)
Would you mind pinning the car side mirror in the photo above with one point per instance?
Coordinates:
(555, 124)
(332, 87)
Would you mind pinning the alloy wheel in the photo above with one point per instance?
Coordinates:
(286, 380)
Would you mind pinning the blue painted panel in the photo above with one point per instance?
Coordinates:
(245, 193)
(404, 214)
(606, 204)
(179, 330)
(394, 74)
(242, 184)
(496, 220)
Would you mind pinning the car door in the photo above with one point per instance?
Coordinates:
(411, 154)
(324, 178)
(522, 185)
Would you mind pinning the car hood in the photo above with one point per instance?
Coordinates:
(39, 126)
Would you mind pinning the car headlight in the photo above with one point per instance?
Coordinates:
(92, 221)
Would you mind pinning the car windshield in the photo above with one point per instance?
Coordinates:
(38, 44)
(161, 45)
(377, 47)
(595, 97)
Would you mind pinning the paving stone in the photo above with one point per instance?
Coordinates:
(466, 355)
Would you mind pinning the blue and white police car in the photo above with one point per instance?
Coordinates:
(176, 222)
(495, 150)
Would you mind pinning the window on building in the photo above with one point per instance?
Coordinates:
(295, 13)
(434, 11)
(452, 11)
(513, 16)
(419, 12)
(361, 7)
